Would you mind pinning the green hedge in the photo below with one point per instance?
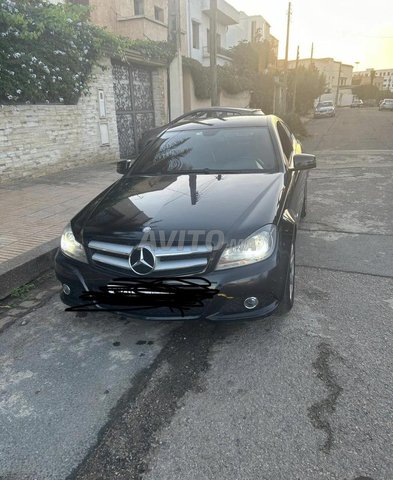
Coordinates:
(227, 77)
(47, 51)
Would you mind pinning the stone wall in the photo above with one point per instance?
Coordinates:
(40, 139)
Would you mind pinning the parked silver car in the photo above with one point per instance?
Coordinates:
(325, 109)
(357, 103)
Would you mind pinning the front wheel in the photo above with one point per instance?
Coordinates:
(289, 293)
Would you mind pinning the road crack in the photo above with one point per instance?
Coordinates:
(126, 443)
(320, 412)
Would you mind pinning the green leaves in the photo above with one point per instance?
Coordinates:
(229, 78)
(310, 85)
(47, 51)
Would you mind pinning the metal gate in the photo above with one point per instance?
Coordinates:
(134, 105)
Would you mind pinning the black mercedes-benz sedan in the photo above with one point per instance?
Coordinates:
(203, 225)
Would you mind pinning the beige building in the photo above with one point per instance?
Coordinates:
(198, 29)
(135, 19)
(132, 18)
(250, 28)
(336, 73)
(383, 79)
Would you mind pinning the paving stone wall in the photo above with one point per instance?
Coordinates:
(40, 139)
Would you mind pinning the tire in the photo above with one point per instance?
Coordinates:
(287, 301)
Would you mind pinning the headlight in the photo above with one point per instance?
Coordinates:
(259, 246)
(70, 247)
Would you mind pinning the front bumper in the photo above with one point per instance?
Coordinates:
(329, 113)
(264, 280)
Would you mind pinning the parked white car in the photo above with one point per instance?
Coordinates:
(386, 104)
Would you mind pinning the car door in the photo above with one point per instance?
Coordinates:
(297, 180)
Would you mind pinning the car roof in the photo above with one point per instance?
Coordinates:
(223, 109)
(239, 121)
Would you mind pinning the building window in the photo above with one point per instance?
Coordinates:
(195, 34)
(159, 14)
(138, 7)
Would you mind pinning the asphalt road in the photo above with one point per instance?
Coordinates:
(307, 396)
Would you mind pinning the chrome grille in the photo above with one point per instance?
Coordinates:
(189, 259)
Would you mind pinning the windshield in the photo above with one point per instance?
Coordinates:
(209, 150)
(325, 104)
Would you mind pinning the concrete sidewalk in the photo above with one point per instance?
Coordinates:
(33, 212)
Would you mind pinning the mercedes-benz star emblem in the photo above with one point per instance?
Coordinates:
(142, 260)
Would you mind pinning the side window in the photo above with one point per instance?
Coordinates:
(285, 139)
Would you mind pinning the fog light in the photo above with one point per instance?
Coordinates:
(251, 302)
(66, 289)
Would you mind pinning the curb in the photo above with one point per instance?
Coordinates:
(26, 267)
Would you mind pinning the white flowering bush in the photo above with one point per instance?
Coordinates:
(47, 51)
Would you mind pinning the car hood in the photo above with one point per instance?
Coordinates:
(234, 204)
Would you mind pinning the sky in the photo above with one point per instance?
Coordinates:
(350, 31)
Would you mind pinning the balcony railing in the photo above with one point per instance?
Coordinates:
(222, 52)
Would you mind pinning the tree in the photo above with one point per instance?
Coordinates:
(47, 51)
(372, 76)
(253, 60)
(366, 92)
(310, 85)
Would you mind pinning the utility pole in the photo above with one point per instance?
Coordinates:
(286, 56)
(338, 83)
(312, 53)
(175, 72)
(295, 82)
(213, 54)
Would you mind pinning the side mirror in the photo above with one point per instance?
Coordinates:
(123, 166)
(303, 161)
